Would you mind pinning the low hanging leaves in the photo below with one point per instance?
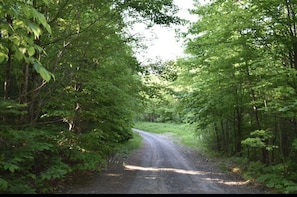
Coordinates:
(44, 73)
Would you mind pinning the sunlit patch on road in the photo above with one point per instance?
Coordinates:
(175, 170)
(189, 172)
(112, 174)
(150, 177)
(228, 182)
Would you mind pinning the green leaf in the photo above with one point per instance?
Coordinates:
(40, 17)
(37, 67)
(11, 167)
(2, 57)
(26, 11)
(18, 55)
(45, 74)
(31, 51)
(35, 29)
(3, 53)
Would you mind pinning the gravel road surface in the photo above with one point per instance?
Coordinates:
(162, 166)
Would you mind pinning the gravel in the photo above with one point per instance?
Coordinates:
(162, 166)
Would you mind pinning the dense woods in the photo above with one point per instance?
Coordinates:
(241, 84)
(72, 86)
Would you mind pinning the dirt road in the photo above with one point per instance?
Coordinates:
(162, 166)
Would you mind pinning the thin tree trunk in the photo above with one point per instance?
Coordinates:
(23, 98)
(224, 144)
(6, 85)
(217, 136)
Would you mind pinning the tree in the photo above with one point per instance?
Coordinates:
(238, 54)
(52, 128)
(241, 72)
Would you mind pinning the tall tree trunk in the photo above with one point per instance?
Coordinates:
(217, 136)
(224, 144)
(23, 98)
(291, 17)
(238, 129)
(6, 85)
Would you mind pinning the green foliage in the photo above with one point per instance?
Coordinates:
(45, 74)
(160, 93)
(11, 107)
(57, 170)
(22, 26)
(132, 144)
(274, 181)
(19, 186)
(294, 144)
(275, 178)
(26, 154)
(258, 140)
(74, 123)
(158, 12)
(239, 77)
(3, 184)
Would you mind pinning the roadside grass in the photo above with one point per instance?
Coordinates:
(130, 145)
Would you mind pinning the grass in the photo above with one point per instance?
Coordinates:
(130, 145)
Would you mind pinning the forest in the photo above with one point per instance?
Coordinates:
(72, 86)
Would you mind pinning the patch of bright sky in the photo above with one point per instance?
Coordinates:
(161, 41)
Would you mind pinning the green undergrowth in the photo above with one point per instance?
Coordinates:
(130, 145)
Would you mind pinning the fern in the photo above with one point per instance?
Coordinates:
(271, 180)
(3, 184)
(9, 106)
(278, 182)
(56, 171)
(19, 185)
